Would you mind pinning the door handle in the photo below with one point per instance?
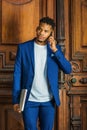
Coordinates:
(73, 80)
(83, 80)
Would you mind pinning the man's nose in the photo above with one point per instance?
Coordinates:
(42, 32)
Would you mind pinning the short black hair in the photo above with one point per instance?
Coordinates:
(47, 20)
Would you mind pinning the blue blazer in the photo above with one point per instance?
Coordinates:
(24, 69)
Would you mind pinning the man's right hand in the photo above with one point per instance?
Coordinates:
(16, 108)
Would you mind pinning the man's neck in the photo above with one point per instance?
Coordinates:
(40, 43)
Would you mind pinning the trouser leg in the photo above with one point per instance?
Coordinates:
(30, 116)
(47, 114)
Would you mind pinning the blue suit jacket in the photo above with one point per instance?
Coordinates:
(24, 69)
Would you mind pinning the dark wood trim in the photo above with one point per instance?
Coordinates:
(0, 21)
(60, 32)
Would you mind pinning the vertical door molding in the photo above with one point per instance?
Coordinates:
(0, 21)
(60, 36)
(60, 31)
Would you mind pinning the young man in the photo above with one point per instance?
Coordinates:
(36, 68)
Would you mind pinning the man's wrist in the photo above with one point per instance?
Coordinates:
(55, 50)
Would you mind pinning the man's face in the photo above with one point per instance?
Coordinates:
(43, 32)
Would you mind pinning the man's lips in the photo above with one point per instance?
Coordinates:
(41, 37)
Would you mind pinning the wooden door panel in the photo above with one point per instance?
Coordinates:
(11, 119)
(78, 56)
(78, 42)
(18, 26)
(84, 113)
(79, 32)
(18, 21)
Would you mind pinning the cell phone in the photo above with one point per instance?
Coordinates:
(49, 35)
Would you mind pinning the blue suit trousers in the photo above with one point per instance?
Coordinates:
(42, 111)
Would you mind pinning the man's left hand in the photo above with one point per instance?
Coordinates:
(52, 43)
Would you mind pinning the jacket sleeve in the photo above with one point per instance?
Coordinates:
(17, 78)
(63, 63)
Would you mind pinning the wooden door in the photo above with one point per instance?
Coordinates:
(78, 40)
(72, 113)
(18, 21)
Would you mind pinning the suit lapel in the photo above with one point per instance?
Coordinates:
(32, 54)
(48, 57)
(49, 52)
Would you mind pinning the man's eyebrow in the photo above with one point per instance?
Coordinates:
(46, 30)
